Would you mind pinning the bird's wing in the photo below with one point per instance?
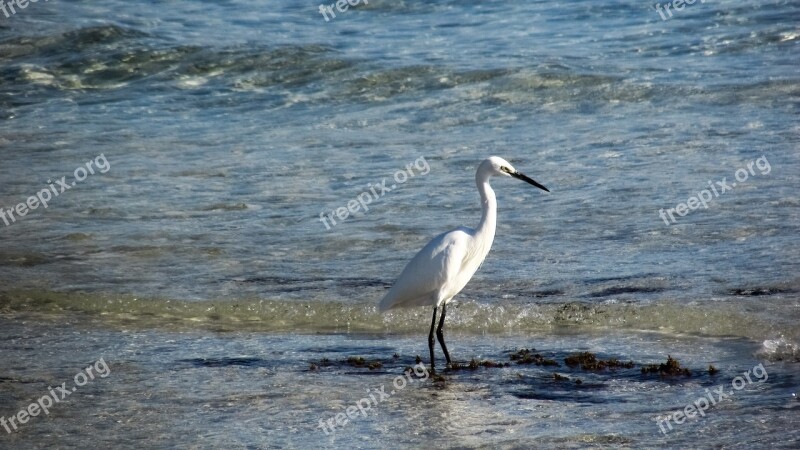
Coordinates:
(430, 272)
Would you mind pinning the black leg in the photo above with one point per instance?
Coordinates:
(440, 334)
(430, 338)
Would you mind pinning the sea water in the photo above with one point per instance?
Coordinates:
(206, 168)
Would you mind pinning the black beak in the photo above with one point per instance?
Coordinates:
(523, 177)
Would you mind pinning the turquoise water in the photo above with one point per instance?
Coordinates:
(206, 140)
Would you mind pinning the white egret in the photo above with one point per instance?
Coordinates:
(443, 267)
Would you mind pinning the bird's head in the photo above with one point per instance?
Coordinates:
(497, 166)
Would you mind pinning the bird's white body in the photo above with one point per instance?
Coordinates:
(443, 267)
(439, 271)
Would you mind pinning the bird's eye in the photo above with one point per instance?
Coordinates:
(505, 169)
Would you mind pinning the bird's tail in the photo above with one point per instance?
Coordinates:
(386, 303)
(392, 300)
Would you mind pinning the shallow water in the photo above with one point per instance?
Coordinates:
(195, 261)
(257, 390)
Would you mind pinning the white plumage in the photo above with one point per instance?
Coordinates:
(443, 267)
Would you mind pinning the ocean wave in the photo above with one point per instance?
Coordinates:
(713, 319)
(780, 349)
(111, 57)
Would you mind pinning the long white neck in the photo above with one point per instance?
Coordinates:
(486, 228)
